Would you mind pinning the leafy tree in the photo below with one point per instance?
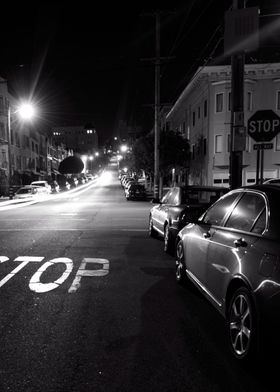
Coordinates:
(71, 165)
(173, 152)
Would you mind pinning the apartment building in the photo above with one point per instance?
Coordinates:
(28, 147)
(80, 139)
(202, 113)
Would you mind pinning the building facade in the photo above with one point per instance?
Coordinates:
(26, 156)
(202, 114)
(80, 139)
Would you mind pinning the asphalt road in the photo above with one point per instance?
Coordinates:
(89, 303)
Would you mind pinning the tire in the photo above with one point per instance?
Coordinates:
(242, 326)
(168, 248)
(181, 276)
(152, 231)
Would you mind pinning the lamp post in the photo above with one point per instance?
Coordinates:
(26, 112)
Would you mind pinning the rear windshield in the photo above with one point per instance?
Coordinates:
(22, 191)
(194, 196)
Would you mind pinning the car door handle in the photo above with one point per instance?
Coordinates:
(207, 234)
(240, 242)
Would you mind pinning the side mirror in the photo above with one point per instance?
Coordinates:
(155, 200)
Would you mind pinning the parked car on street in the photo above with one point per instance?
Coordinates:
(180, 204)
(43, 184)
(135, 191)
(29, 192)
(63, 184)
(232, 254)
(272, 181)
(55, 188)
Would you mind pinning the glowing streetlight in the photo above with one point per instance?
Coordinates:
(26, 112)
(124, 148)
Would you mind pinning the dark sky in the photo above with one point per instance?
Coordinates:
(85, 61)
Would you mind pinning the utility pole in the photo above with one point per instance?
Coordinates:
(157, 61)
(157, 108)
(237, 113)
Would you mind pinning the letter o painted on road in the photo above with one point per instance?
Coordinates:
(39, 287)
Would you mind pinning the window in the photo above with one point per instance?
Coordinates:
(249, 101)
(204, 146)
(172, 197)
(229, 101)
(218, 143)
(1, 105)
(219, 102)
(193, 119)
(2, 131)
(278, 100)
(246, 212)
(198, 112)
(215, 214)
(205, 109)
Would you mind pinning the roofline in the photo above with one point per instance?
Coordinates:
(216, 68)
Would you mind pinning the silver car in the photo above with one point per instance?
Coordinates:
(232, 254)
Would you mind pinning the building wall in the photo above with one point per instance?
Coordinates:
(78, 138)
(209, 135)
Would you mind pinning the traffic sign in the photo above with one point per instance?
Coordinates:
(264, 125)
(263, 146)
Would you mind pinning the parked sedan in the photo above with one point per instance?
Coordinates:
(29, 192)
(232, 254)
(177, 207)
(135, 191)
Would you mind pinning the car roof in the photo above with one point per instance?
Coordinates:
(204, 188)
(28, 187)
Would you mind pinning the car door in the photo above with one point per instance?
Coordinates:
(158, 211)
(165, 209)
(232, 246)
(199, 236)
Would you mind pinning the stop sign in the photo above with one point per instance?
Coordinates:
(264, 125)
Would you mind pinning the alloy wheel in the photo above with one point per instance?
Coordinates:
(240, 324)
(180, 264)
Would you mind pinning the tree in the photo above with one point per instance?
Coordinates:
(173, 152)
(71, 165)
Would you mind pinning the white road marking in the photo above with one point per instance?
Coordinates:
(25, 260)
(3, 259)
(83, 272)
(39, 287)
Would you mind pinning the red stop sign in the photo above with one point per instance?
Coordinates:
(264, 125)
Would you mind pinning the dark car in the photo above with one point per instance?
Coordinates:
(177, 208)
(232, 254)
(135, 192)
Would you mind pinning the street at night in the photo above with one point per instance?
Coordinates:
(90, 303)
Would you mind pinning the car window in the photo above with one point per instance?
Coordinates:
(166, 197)
(260, 223)
(217, 212)
(173, 197)
(246, 212)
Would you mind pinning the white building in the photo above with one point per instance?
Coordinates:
(202, 113)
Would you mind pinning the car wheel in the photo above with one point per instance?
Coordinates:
(167, 240)
(152, 231)
(242, 325)
(181, 276)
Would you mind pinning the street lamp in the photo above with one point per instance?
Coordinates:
(26, 112)
(123, 148)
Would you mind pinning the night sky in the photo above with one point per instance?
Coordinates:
(85, 61)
